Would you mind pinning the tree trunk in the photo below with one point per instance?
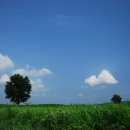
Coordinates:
(18, 101)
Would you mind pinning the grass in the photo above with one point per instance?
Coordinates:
(61, 117)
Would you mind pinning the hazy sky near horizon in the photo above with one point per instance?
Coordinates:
(73, 51)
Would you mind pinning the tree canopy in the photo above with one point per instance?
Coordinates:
(116, 98)
(18, 89)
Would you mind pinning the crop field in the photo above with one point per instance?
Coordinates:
(65, 117)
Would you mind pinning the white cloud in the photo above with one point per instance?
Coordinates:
(105, 77)
(33, 72)
(80, 94)
(5, 62)
(4, 78)
(20, 71)
(40, 72)
(38, 86)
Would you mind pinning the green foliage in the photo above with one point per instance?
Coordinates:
(18, 89)
(74, 117)
(116, 98)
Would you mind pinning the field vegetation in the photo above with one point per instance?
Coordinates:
(65, 117)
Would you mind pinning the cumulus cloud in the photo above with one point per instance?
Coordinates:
(35, 77)
(105, 77)
(38, 86)
(33, 72)
(5, 62)
(4, 78)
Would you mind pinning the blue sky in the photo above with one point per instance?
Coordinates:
(74, 51)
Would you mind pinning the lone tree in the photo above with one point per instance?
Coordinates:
(116, 98)
(18, 89)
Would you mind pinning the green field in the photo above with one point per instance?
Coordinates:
(69, 117)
